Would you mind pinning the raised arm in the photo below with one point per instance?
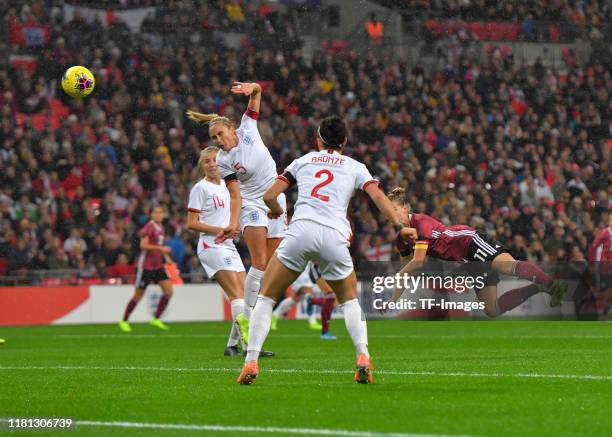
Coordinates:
(251, 89)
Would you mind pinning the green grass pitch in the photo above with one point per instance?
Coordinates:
(435, 378)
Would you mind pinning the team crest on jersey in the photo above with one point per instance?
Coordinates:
(227, 260)
(247, 140)
(254, 215)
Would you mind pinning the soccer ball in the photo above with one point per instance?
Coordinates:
(78, 81)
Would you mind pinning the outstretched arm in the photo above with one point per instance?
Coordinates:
(384, 204)
(251, 89)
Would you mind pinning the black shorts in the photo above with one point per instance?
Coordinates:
(147, 277)
(484, 249)
(481, 253)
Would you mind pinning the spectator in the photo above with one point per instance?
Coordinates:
(121, 269)
(234, 11)
(375, 29)
(485, 140)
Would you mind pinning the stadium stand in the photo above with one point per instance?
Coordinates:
(519, 151)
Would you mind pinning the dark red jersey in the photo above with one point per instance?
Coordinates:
(152, 259)
(449, 243)
(601, 249)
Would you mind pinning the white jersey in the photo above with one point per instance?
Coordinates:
(212, 202)
(326, 182)
(250, 161)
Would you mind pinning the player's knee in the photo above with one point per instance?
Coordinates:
(259, 262)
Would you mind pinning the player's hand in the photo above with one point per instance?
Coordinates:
(275, 214)
(246, 88)
(166, 250)
(409, 233)
(230, 231)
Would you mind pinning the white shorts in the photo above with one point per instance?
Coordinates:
(218, 258)
(306, 240)
(256, 214)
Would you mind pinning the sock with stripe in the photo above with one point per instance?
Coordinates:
(513, 298)
(531, 272)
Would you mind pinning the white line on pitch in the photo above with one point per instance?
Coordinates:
(245, 428)
(410, 336)
(317, 372)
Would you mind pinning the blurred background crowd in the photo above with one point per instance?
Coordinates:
(521, 152)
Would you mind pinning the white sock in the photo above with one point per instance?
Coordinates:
(312, 318)
(356, 326)
(234, 336)
(251, 289)
(259, 327)
(284, 307)
(247, 311)
(237, 307)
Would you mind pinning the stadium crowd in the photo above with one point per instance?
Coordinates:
(522, 152)
(578, 12)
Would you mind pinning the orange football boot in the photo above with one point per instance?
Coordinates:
(363, 371)
(249, 373)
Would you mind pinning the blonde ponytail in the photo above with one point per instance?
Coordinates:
(209, 119)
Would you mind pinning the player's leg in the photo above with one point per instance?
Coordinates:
(276, 280)
(276, 229)
(232, 285)
(166, 287)
(284, 307)
(505, 264)
(346, 292)
(336, 267)
(311, 301)
(123, 324)
(255, 238)
(327, 308)
(281, 272)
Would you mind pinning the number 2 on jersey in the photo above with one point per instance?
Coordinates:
(315, 190)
